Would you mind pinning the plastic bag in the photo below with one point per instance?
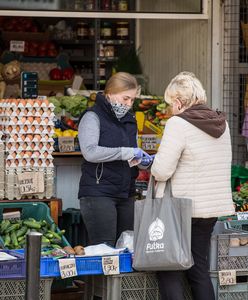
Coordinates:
(125, 240)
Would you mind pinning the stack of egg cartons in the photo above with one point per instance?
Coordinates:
(28, 128)
(1, 164)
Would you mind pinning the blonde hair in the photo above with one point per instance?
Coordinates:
(120, 82)
(186, 88)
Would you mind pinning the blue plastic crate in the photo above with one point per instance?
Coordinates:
(90, 265)
(12, 268)
(85, 265)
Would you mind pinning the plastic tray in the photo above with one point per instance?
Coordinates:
(12, 268)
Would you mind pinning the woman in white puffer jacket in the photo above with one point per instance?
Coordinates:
(195, 153)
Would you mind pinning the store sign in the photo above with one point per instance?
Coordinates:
(66, 144)
(110, 265)
(227, 277)
(31, 183)
(242, 216)
(67, 267)
(17, 46)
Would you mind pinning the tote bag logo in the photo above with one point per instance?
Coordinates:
(156, 233)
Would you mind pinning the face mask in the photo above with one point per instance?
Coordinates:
(119, 109)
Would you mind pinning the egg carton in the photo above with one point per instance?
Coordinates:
(12, 187)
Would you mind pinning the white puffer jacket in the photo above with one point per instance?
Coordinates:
(199, 166)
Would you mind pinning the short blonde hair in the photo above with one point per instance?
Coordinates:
(120, 82)
(186, 88)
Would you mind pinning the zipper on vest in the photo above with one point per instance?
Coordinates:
(98, 178)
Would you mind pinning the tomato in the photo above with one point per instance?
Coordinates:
(55, 74)
(67, 73)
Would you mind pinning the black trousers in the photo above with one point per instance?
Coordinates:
(106, 218)
(170, 282)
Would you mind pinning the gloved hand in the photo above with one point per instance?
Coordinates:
(139, 153)
(146, 161)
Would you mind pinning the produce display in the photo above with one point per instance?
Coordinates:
(28, 127)
(74, 105)
(13, 233)
(156, 110)
(240, 197)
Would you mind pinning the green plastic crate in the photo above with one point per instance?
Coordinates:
(37, 210)
(239, 175)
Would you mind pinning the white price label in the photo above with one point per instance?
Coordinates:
(66, 144)
(17, 46)
(110, 265)
(227, 277)
(31, 183)
(67, 267)
(242, 216)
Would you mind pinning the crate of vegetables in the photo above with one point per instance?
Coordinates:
(28, 217)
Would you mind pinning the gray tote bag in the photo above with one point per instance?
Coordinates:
(162, 232)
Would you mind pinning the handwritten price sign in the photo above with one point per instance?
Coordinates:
(31, 183)
(66, 144)
(110, 265)
(67, 267)
(227, 277)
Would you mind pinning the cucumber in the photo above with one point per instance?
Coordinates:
(13, 227)
(22, 231)
(13, 239)
(32, 224)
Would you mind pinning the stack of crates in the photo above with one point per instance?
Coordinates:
(226, 256)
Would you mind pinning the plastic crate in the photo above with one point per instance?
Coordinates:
(92, 265)
(12, 268)
(137, 285)
(37, 210)
(15, 289)
(76, 232)
(224, 257)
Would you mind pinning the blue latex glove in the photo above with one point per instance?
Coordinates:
(145, 161)
(139, 154)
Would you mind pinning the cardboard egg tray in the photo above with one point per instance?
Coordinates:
(2, 162)
(27, 126)
(12, 191)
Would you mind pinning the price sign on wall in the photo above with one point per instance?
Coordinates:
(110, 265)
(227, 277)
(66, 144)
(17, 46)
(67, 267)
(31, 183)
(242, 216)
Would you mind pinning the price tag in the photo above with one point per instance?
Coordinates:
(31, 183)
(227, 277)
(110, 265)
(17, 46)
(67, 267)
(66, 144)
(242, 216)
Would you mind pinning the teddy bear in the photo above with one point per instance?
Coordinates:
(8, 74)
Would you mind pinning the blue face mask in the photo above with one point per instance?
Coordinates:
(119, 109)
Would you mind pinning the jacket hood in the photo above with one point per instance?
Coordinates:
(210, 121)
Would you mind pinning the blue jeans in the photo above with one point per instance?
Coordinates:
(170, 282)
(105, 218)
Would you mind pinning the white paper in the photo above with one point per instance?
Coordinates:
(6, 256)
(101, 249)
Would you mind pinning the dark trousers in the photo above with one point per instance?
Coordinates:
(170, 282)
(106, 218)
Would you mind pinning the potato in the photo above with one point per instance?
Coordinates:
(69, 250)
(243, 241)
(234, 242)
(79, 250)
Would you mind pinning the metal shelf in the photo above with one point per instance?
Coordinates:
(106, 59)
(115, 42)
(74, 42)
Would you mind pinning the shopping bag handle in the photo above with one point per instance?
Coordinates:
(151, 188)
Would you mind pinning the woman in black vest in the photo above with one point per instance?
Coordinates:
(108, 142)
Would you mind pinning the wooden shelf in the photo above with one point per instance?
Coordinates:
(76, 153)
